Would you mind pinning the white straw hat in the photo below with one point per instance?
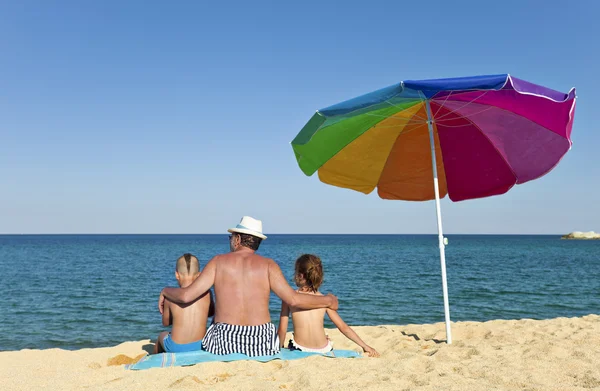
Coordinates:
(249, 226)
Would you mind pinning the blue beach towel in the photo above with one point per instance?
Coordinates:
(190, 358)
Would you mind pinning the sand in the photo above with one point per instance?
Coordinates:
(555, 354)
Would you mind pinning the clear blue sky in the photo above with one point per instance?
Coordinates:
(176, 117)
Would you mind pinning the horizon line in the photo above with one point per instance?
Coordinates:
(282, 234)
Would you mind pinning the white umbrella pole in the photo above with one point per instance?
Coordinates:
(439, 224)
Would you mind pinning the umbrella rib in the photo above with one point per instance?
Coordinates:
(470, 115)
(401, 120)
(394, 126)
(371, 105)
(415, 115)
(389, 116)
(439, 108)
(465, 105)
(492, 107)
(436, 121)
(457, 93)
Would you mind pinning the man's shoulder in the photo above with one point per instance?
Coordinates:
(262, 262)
(262, 258)
(220, 258)
(255, 258)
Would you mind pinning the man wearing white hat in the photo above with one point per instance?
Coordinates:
(243, 281)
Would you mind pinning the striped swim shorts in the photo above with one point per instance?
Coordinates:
(223, 338)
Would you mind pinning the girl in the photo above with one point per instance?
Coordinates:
(309, 333)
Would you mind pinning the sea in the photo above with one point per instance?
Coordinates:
(85, 291)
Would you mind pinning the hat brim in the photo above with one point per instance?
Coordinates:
(247, 232)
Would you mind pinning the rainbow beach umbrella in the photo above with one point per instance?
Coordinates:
(469, 137)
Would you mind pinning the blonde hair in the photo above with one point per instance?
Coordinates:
(311, 268)
(187, 265)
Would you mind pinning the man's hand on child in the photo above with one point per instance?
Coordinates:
(334, 302)
(371, 352)
(161, 302)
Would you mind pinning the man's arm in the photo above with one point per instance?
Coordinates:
(167, 319)
(294, 299)
(186, 295)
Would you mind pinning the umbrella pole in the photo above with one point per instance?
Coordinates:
(439, 224)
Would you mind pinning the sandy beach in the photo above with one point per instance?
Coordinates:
(555, 354)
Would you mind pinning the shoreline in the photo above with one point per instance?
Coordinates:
(551, 354)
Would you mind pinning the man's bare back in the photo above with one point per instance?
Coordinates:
(242, 288)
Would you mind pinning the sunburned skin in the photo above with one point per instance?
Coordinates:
(243, 281)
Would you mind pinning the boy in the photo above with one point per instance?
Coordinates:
(188, 320)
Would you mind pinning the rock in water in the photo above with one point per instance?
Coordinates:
(582, 235)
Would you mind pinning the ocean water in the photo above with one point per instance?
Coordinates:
(80, 291)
